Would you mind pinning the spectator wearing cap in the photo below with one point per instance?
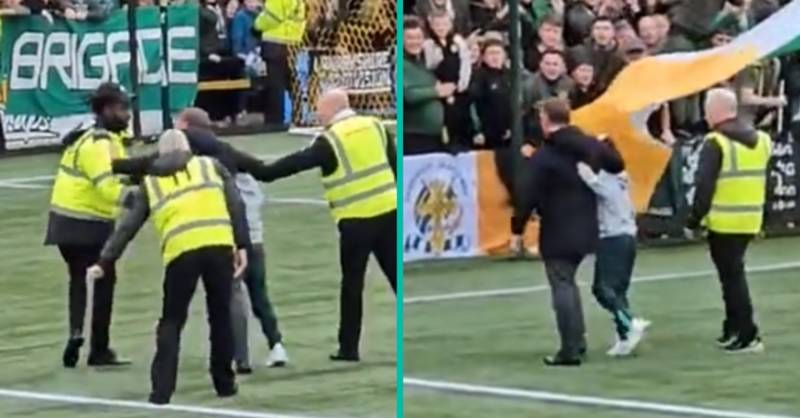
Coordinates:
(581, 70)
(490, 93)
(692, 20)
(447, 55)
(550, 37)
(632, 49)
(457, 10)
(423, 120)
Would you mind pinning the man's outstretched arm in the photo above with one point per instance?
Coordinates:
(317, 155)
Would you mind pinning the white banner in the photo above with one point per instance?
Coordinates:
(440, 206)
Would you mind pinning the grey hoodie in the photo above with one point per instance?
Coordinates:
(615, 211)
(253, 198)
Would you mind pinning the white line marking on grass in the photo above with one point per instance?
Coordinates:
(115, 403)
(561, 398)
(541, 288)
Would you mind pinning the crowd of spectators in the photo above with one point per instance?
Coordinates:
(229, 48)
(457, 85)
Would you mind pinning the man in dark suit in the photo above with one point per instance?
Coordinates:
(567, 210)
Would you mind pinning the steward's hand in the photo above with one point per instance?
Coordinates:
(239, 262)
(95, 272)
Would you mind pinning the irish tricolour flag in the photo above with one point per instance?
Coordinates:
(623, 109)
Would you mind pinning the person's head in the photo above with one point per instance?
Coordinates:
(551, 31)
(173, 140)
(441, 23)
(10, 3)
(649, 31)
(193, 117)
(413, 35)
(623, 31)
(720, 105)
(474, 45)
(583, 74)
(231, 8)
(252, 5)
(553, 115)
(552, 65)
(603, 31)
(330, 103)
(633, 49)
(111, 106)
(494, 54)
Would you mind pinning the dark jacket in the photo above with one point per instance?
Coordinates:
(567, 208)
(694, 18)
(139, 208)
(490, 91)
(578, 21)
(607, 63)
(710, 164)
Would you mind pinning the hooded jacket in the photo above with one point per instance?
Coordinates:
(711, 163)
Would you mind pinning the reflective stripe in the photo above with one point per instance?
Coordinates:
(170, 197)
(102, 177)
(382, 131)
(361, 196)
(742, 173)
(737, 208)
(77, 215)
(337, 143)
(357, 176)
(204, 170)
(193, 225)
(73, 172)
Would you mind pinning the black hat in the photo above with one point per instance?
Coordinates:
(106, 94)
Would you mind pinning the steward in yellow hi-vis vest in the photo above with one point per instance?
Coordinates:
(730, 193)
(356, 158)
(196, 209)
(85, 202)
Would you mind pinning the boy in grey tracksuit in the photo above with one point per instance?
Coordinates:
(616, 254)
(255, 281)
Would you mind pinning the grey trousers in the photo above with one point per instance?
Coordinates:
(567, 305)
(240, 308)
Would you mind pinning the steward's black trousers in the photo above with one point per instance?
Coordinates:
(358, 238)
(79, 258)
(727, 253)
(215, 266)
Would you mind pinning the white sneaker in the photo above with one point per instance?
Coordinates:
(616, 349)
(638, 328)
(277, 356)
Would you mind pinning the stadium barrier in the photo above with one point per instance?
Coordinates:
(456, 206)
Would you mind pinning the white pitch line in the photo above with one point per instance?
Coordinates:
(541, 288)
(567, 399)
(115, 403)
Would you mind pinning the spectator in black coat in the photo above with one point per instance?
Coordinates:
(490, 92)
(567, 211)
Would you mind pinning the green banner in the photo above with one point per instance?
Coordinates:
(52, 68)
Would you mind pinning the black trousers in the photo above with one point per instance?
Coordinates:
(566, 300)
(727, 253)
(78, 259)
(276, 57)
(357, 240)
(215, 266)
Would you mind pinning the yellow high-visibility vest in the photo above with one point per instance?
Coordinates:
(738, 203)
(85, 187)
(363, 185)
(282, 21)
(189, 209)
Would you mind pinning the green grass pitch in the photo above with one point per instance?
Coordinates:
(499, 341)
(303, 278)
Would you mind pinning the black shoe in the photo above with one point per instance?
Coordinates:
(158, 399)
(728, 335)
(558, 360)
(107, 358)
(229, 392)
(72, 352)
(340, 356)
(243, 368)
(751, 345)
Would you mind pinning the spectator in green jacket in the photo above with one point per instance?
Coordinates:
(424, 112)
